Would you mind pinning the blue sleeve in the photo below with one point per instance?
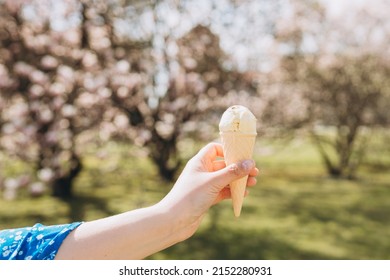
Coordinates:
(33, 243)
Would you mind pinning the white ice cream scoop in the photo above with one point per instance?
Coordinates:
(238, 118)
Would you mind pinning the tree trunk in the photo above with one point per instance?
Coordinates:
(345, 148)
(344, 166)
(331, 169)
(62, 186)
(164, 154)
(166, 160)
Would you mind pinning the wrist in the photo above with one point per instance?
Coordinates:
(181, 224)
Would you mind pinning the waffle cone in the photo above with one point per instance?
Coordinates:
(236, 147)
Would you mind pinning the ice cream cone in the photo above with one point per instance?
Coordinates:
(237, 146)
(237, 128)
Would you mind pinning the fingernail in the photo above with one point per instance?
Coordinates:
(247, 165)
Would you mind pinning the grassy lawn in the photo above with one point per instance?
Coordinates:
(294, 212)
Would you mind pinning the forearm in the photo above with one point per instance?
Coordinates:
(131, 235)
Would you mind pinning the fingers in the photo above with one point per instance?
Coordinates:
(226, 194)
(223, 175)
(219, 164)
(214, 150)
(211, 150)
(241, 168)
(251, 181)
(228, 174)
(223, 194)
(254, 172)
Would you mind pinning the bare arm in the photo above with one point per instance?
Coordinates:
(139, 233)
(131, 235)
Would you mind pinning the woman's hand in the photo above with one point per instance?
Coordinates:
(204, 181)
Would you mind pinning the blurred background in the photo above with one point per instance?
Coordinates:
(103, 102)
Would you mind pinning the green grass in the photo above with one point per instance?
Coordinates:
(294, 212)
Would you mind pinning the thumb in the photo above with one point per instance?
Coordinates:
(232, 172)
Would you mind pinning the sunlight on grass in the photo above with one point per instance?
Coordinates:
(295, 212)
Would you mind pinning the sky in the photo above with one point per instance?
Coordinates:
(246, 31)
